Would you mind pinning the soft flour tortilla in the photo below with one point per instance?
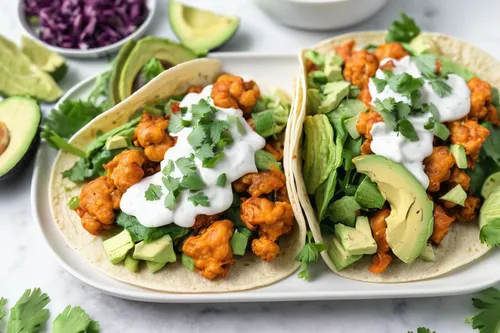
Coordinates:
(461, 245)
(248, 272)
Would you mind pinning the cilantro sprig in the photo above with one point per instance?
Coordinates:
(423, 330)
(153, 193)
(433, 124)
(488, 319)
(309, 253)
(402, 31)
(395, 116)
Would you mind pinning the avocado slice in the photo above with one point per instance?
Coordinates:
(363, 225)
(155, 266)
(335, 92)
(19, 127)
(167, 52)
(118, 246)
(116, 142)
(458, 152)
(199, 29)
(48, 61)
(339, 256)
(353, 241)
(428, 253)
(412, 214)
(116, 69)
(19, 76)
(131, 263)
(456, 195)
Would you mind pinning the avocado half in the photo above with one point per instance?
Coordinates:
(411, 221)
(21, 116)
(201, 30)
(133, 56)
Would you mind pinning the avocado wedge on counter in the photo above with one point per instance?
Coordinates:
(199, 29)
(128, 64)
(48, 61)
(19, 127)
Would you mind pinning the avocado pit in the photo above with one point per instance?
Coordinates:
(4, 137)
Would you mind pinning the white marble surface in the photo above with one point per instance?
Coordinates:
(27, 262)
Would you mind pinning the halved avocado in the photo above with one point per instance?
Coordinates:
(167, 52)
(48, 61)
(118, 62)
(411, 221)
(199, 29)
(19, 122)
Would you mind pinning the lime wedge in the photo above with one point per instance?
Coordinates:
(48, 61)
(19, 76)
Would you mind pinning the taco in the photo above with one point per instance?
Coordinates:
(393, 144)
(181, 187)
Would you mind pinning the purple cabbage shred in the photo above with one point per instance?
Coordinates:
(85, 24)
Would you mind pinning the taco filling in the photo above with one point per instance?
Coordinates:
(197, 178)
(398, 143)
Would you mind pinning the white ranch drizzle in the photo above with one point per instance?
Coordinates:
(393, 145)
(238, 161)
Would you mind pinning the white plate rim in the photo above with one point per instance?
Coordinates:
(256, 295)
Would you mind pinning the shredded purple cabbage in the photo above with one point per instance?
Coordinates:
(85, 24)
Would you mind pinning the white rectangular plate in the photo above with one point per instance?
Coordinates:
(279, 71)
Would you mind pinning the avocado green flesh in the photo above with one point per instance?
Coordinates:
(19, 76)
(118, 62)
(118, 246)
(201, 30)
(22, 116)
(411, 221)
(339, 256)
(48, 61)
(353, 241)
(160, 250)
(458, 152)
(456, 195)
(150, 47)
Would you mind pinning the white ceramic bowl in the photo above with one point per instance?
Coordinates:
(97, 52)
(320, 14)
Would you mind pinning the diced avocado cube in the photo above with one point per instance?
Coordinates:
(188, 262)
(118, 246)
(131, 263)
(313, 100)
(354, 241)
(344, 210)
(456, 195)
(428, 253)
(338, 255)
(116, 142)
(333, 67)
(350, 125)
(424, 44)
(458, 152)
(368, 195)
(334, 93)
(239, 242)
(160, 250)
(155, 266)
(363, 225)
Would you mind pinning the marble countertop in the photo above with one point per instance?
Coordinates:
(28, 263)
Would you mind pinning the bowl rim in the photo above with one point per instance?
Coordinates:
(28, 31)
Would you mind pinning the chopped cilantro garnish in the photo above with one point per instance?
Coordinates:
(170, 200)
(74, 320)
(433, 124)
(186, 165)
(440, 87)
(379, 84)
(407, 130)
(193, 182)
(197, 137)
(168, 168)
(423, 330)
(404, 83)
(29, 313)
(308, 254)
(217, 128)
(204, 152)
(202, 112)
(221, 180)
(402, 110)
(153, 192)
(402, 31)
(3, 301)
(199, 199)
(175, 124)
(426, 64)
(487, 320)
(212, 161)
(171, 183)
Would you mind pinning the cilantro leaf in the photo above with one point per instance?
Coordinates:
(197, 137)
(406, 129)
(29, 313)
(309, 253)
(379, 84)
(73, 320)
(423, 330)
(205, 151)
(175, 124)
(440, 87)
(426, 64)
(171, 183)
(168, 168)
(153, 193)
(385, 109)
(402, 110)
(487, 320)
(186, 165)
(199, 199)
(221, 180)
(70, 117)
(404, 83)
(193, 182)
(170, 200)
(3, 301)
(490, 233)
(217, 128)
(402, 31)
(202, 112)
(212, 161)
(152, 69)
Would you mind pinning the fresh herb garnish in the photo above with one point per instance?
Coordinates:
(440, 87)
(152, 69)
(186, 165)
(404, 83)
(379, 84)
(74, 320)
(423, 330)
(402, 31)
(170, 183)
(197, 137)
(406, 129)
(168, 168)
(217, 128)
(3, 301)
(221, 180)
(309, 253)
(426, 64)
(29, 313)
(170, 200)
(487, 320)
(434, 125)
(212, 161)
(394, 115)
(204, 152)
(193, 182)
(199, 199)
(153, 192)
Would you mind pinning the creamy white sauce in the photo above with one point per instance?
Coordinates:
(238, 161)
(396, 147)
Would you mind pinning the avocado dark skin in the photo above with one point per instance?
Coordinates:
(23, 162)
